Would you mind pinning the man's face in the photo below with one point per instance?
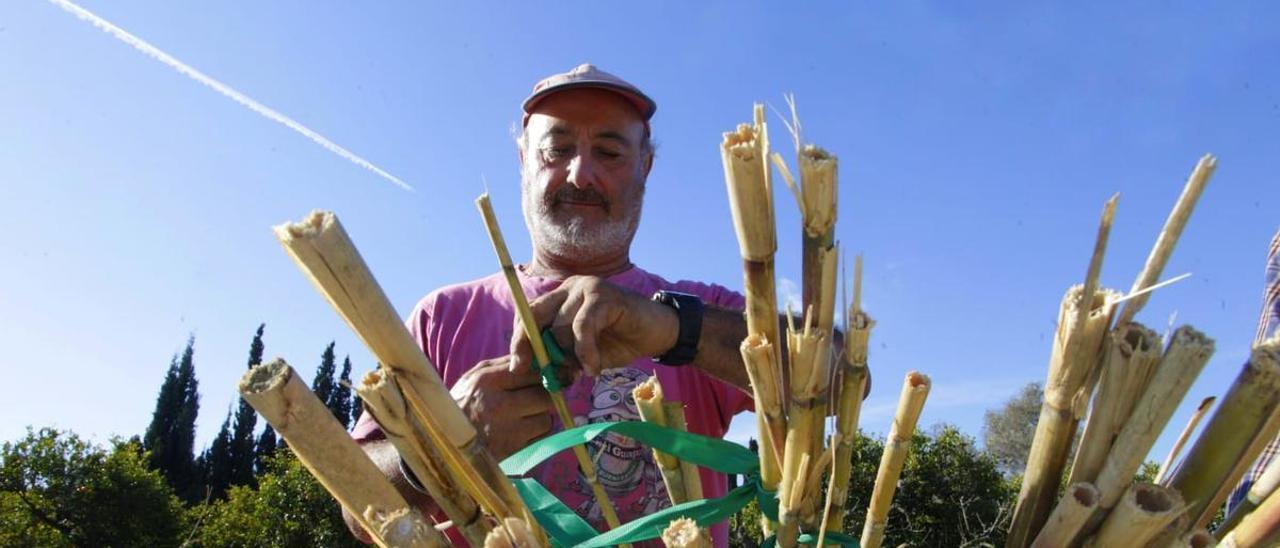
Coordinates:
(583, 169)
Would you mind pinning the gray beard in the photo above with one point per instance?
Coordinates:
(563, 234)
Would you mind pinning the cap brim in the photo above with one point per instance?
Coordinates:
(643, 104)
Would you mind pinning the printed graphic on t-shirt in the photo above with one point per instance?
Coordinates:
(623, 466)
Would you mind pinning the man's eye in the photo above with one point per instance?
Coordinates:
(608, 153)
(556, 153)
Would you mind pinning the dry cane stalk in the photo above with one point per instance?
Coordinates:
(325, 448)
(914, 391)
(688, 470)
(745, 154)
(853, 382)
(684, 533)
(652, 407)
(1081, 328)
(323, 251)
(1130, 355)
(1182, 362)
(383, 399)
(1201, 411)
(1259, 528)
(1071, 513)
(1168, 237)
(1212, 466)
(1141, 515)
(541, 357)
(513, 533)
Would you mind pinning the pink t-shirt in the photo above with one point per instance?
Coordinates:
(461, 325)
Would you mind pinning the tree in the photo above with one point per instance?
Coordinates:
(289, 508)
(1007, 433)
(323, 385)
(216, 463)
(242, 450)
(170, 438)
(265, 449)
(340, 402)
(58, 490)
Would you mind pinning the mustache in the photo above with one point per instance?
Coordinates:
(570, 193)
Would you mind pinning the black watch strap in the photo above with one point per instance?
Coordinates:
(689, 309)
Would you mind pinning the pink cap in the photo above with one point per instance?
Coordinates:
(587, 75)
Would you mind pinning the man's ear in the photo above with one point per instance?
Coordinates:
(648, 163)
(520, 153)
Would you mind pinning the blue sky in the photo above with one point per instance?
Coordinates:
(976, 151)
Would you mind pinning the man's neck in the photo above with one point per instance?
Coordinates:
(556, 268)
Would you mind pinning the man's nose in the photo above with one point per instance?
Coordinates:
(582, 171)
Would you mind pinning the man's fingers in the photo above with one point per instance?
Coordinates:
(527, 402)
(587, 324)
(536, 427)
(507, 378)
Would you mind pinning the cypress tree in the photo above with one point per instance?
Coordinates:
(217, 461)
(172, 433)
(357, 408)
(242, 452)
(340, 402)
(267, 444)
(323, 385)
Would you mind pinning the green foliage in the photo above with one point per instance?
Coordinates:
(170, 438)
(59, 490)
(949, 494)
(1007, 433)
(289, 508)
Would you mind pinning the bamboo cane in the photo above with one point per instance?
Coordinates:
(853, 382)
(323, 446)
(1074, 356)
(585, 464)
(1068, 517)
(323, 251)
(513, 533)
(1141, 515)
(1197, 538)
(685, 533)
(1259, 528)
(382, 398)
(1131, 353)
(745, 155)
(810, 354)
(1211, 467)
(915, 388)
(1168, 237)
(653, 408)
(1187, 430)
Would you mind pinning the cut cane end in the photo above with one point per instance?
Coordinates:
(310, 226)
(265, 377)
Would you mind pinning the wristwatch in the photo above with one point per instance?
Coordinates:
(689, 309)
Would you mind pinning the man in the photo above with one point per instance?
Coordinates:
(585, 153)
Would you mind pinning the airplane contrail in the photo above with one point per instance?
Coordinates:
(185, 69)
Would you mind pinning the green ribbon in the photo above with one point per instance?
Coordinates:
(555, 358)
(566, 528)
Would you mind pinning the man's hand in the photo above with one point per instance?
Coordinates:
(508, 405)
(599, 324)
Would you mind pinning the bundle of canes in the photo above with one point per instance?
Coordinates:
(323, 251)
(329, 453)
(915, 389)
(745, 154)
